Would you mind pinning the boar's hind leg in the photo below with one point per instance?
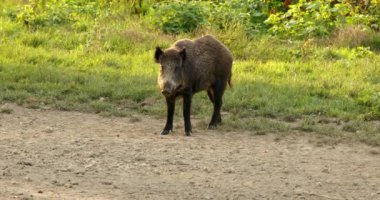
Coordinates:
(170, 103)
(210, 95)
(218, 90)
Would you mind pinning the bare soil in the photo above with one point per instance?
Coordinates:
(48, 154)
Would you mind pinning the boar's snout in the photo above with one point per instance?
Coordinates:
(167, 90)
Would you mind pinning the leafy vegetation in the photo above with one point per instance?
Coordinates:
(177, 17)
(97, 56)
(298, 19)
(42, 13)
(319, 18)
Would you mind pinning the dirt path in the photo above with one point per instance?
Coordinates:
(69, 155)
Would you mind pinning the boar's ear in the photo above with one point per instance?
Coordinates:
(157, 54)
(182, 53)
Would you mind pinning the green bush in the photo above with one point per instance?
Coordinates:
(249, 13)
(319, 18)
(302, 18)
(40, 13)
(178, 17)
(183, 16)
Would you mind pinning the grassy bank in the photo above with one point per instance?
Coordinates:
(106, 66)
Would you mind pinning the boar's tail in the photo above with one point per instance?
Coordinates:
(229, 81)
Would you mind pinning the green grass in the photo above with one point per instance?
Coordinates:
(108, 68)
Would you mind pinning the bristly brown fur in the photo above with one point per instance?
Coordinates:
(207, 60)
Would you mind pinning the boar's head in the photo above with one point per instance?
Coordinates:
(170, 77)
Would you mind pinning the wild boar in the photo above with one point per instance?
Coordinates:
(190, 66)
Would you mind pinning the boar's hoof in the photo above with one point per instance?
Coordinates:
(165, 132)
(188, 133)
(211, 126)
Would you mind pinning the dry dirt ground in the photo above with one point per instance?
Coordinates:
(47, 154)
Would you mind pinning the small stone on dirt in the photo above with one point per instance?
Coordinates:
(140, 158)
(27, 197)
(48, 130)
(230, 170)
(106, 183)
(28, 179)
(57, 183)
(67, 169)
(249, 184)
(206, 170)
(26, 163)
(325, 170)
(374, 152)
(80, 172)
(180, 162)
(7, 172)
(6, 110)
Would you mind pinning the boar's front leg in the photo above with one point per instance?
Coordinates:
(186, 112)
(170, 104)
